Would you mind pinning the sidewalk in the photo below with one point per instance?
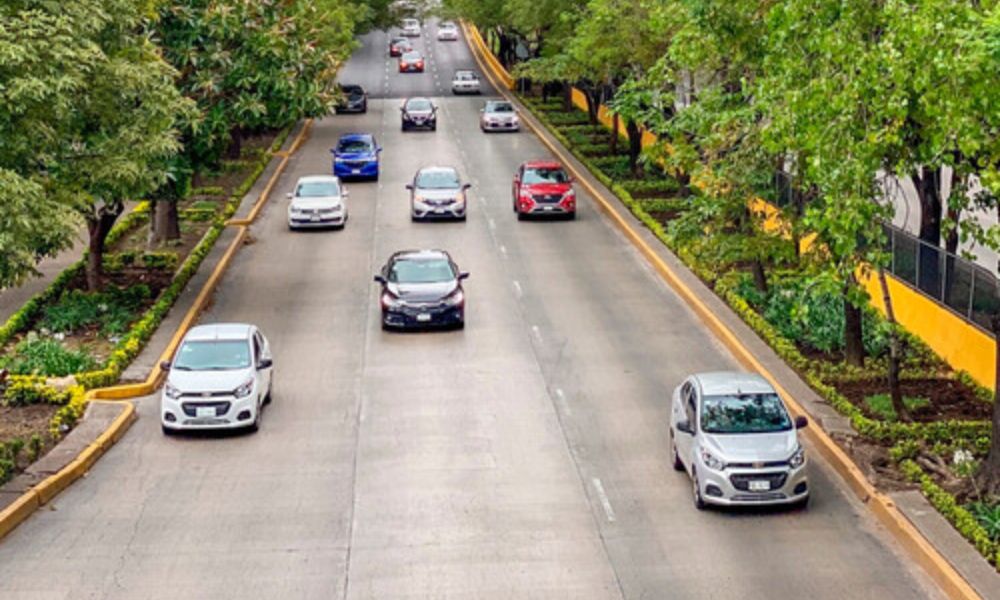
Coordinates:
(12, 299)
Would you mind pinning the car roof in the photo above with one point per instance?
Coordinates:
(720, 383)
(426, 254)
(412, 53)
(351, 137)
(351, 86)
(434, 169)
(219, 331)
(319, 178)
(414, 98)
(490, 103)
(542, 164)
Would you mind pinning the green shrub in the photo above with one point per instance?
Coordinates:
(6, 470)
(46, 357)
(615, 167)
(35, 445)
(988, 515)
(26, 391)
(567, 118)
(111, 309)
(212, 190)
(646, 187)
(881, 405)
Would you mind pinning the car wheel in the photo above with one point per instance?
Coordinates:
(699, 502)
(434, 127)
(521, 216)
(678, 465)
(255, 426)
(802, 504)
(267, 397)
(571, 216)
(462, 218)
(167, 431)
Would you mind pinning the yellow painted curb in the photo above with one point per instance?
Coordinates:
(49, 488)
(915, 544)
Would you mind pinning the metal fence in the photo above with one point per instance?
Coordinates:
(961, 285)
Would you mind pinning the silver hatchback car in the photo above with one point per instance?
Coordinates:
(734, 437)
(437, 193)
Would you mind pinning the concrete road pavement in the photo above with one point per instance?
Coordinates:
(524, 457)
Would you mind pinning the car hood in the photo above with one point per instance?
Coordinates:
(500, 116)
(208, 381)
(354, 155)
(435, 194)
(314, 203)
(751, 447)
(418, 113)
(422, 292)
(548, 188)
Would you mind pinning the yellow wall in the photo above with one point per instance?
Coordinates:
(964, 346)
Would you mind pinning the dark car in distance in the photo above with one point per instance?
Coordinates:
(418, 113)
(354, 99)
(421, 288)
(398, 46)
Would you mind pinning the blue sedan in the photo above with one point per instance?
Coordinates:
(356, 157)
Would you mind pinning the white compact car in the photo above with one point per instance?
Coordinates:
(465, 82)
(220, 378)
(734, 437)
(447, 32)
(318, 201)
(411, 28)
(499, 115)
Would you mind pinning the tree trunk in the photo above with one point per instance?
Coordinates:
(989, 470)
(99, 225)
(235, 150)
(567, 94)
(895, 392)
(634, 145)
(615, 132)
(854, 347)
(164, 226)
(928, 185)
(593, 103)
(759, 276)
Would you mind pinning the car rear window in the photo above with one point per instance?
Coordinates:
(437, 270)
(437, 180)
(412, 56)
(544, 175)
(216, 355)
(465, 75)
(354, 146)
(744, 413)
(317, 189)
(500, 107)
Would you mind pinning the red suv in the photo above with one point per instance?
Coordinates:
(542, 187)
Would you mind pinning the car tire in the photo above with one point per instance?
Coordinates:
(571, 216)
(801, 504)
(678, 464)
(167, 431)
(699, 502)
(267, 397)
(255, 426)
(462, 218)
(521, 216)
(434, 127)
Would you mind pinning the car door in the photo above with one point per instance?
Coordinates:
(685, 441)
(518, 176)
(261, 352)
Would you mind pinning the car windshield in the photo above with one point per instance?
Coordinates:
(353, 91)
(447, 25)
(411, 56)
(216, 355)
(544, 175)
(411, 23)
(744, 413)
(500, 107)
(436, 270)
(465, 75)
(420, 104)
(354, 146)
(437, 180)
(317, 189)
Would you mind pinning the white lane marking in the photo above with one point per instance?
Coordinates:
(517, 285)
(482, 200)
(608, 511)
(503, 250)
(563, 405)
(493, 224)
(537, 333)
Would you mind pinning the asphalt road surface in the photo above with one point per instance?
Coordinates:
(524, 457)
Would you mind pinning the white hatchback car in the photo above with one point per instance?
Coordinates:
(447, 32)
(733, 435)
(220, 378)
(318, 201)
(411, 28)
(465, 82)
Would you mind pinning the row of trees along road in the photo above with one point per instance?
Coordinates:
(829, 95)
(106, 101)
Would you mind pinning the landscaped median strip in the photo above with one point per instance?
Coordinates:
(50, 487)
(915, 544)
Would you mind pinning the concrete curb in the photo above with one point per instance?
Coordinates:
(43, 493)
(913, 542)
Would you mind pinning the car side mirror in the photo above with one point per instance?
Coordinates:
(466, 186)
(482, 110)
(801, 421)
(289, 195)
(345, 192)
(165, 365)
(409, 186)
(333, 151)
(380, 279)
(463, 275)
(264, 363)
(379, 149)
(685, 427)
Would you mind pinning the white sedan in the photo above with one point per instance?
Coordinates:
(318, 201)
(447, 32)
(466, 82)
(220, 378)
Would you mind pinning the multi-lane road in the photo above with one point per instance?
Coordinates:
(523, 457)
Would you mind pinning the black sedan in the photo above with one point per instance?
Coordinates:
(422, 288)
(418, 113)
(353, 98)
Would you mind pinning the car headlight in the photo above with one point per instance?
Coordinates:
(798, 458)
(711, 461)
(570, 195)
(419, 199)
(456, 298)
(244, 390)
(171, 392)
(390, 301)
(339, 159)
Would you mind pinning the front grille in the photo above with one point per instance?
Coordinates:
(356, 164)
(742, 482)
(207, 394)
(191, 408)
(774, 464)
(547, 198)
(760, 497)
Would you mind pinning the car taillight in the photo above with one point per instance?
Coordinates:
(404, 65)
(420, 63)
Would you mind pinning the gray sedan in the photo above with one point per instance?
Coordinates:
(437, 193)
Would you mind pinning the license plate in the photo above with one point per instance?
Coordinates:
(314, 218)
(205, 411)
(439, 211)
(548, 209)
(423, 317)
(356, 171)
(761, 485)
